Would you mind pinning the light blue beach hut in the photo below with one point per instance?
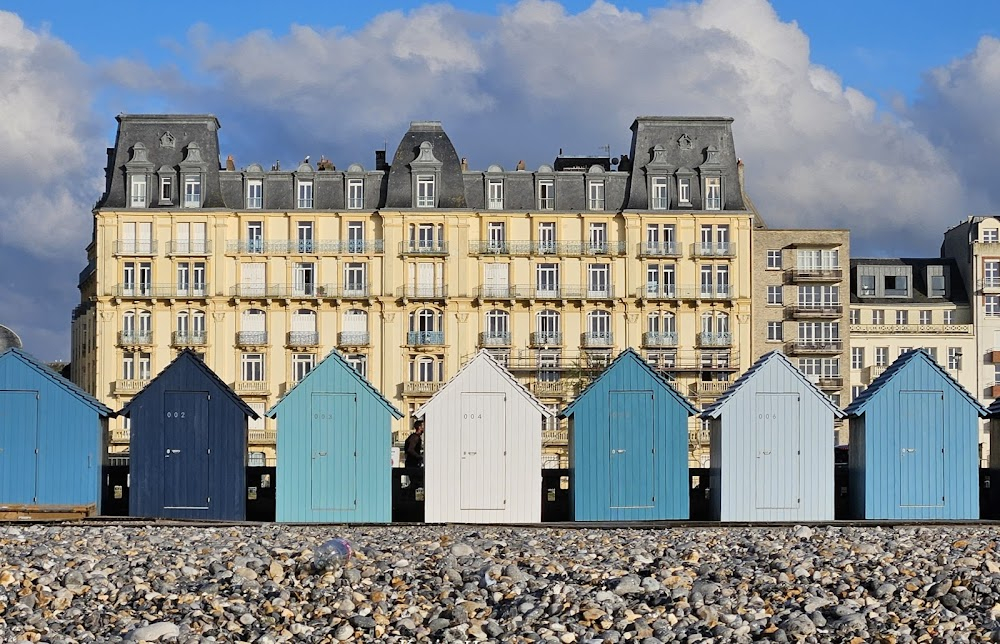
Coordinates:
(628, 437)
(771, 443)
(914, 446)
(334, 443)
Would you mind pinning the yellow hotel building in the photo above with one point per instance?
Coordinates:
(413, 266)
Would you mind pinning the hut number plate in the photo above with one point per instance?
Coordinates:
(323, 416)
(175, 414)
(472, 416)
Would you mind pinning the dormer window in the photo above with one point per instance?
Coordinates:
(255, 193)
(138, 191)
(192, 190)
(991, 235)
(658, 194)
(425, 191)
(305, 193)
(866, 285)
(595, 192)
(546, 194)
(684, 191)
(494, 194)
(896, 285)
(166, 189)
(355, 194)
(713, 193)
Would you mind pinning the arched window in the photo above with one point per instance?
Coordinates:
(253, 327)
(355, 329)
(303, 331)
(547, 327)
(497, 324)
(423, 320)
(599, 324)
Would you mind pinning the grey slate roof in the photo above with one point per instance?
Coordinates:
(956, 289)
(715, 409)
(29, 360)
(857, 407)
(450, 190)
(9, 339)
(630, 355)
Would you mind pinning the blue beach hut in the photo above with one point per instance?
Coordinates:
(914, 445)
(771, 442)
(628, 445)
(188, 446)
(334, 444)
(53, 437)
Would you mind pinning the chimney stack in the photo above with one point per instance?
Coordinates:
(380, 163)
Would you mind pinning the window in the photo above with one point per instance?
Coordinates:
(166, 189)
(303, 278)
(304, 235)
(866, 284)
(548, 366)
(774, 295)
(881, 356)
(774, 332)
(896, 285)
(546, 195)
(355, 278)
(902, 317)
(355, 194)
(660, 280)
(302, 364)
(192, 191)
(494, 194)
(355, 237)
(878, 316)
(252, 367)
(598, 282)
(595, 191)
(857, 357)
(774, 259)
(547, 237)
(855, 316)
(548, 279)
(547, 327)
(856, 391)
(255, 237)
(713, 193)
(949, 316)
(660, 239)
(305, 194)
(954, 358)
(991, 235)
(658, 197)
(137, 278)
(498, 325)
(599, 325)
(938, 288)
(255, 193)
(816, 259)
(191, 278)
(426, 369)
(903, 350)
(684, 192)
(496, 235)
(819, 297)
(138, 197)
(991, 305)
(925, 316)
(706, 280)
(359, 362)
(425, 191)
(598, 238)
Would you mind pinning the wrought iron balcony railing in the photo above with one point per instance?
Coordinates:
(189, 247)
(425, 338)
(135, 338)
(659, 249)
(308, 247)
(303, 338)
(713, 249)
(417, 247)
(597, 339)
(492, 339)
(659, 339)
(187, 338)
(546, 339)
(706, 339)
(251, 338)
(134, 247)
(353, 339)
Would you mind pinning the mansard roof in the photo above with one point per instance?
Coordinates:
(450, 190)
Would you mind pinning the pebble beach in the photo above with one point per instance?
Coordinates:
(459, 583)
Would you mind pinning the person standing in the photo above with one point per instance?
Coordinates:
(413, 449)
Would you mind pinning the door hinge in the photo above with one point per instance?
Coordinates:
(209, 451)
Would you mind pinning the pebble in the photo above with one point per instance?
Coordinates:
(255, 583)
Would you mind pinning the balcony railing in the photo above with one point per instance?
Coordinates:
(659, 249)
(490, 339)
(554, 436)
(121, 435)
(303, 338)
(140, 290)
(710, 389)
(353, 339)
(134, 338)
(130, 386)
(187, 339)
(425, 338)
(671, 292)
(551, 388)
(874, 371)
(815, 274)
(252, 387)
(988, 284)
(251, 338)
(422, 292)
(135, 247)
(417, 247)
(659, 339)
(420, 388)
(912, 328)
(546, 339)
(526, 248)
(310, 247)
(262, 436)
(522, 292)
(817, 311)
(815, 346)
(190, 247)
(715, 339)
(713, 249)
(597, 339)
(831, 382)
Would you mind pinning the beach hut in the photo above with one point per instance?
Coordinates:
(914, 446)
(483, 448)
(334, 448)
(188, 446)
(771, 443)
(628, 437)
(53, 438)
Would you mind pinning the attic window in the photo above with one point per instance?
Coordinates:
(937, 286)
(867, 284)
(896, 285)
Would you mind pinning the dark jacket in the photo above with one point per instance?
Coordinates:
(414, 450)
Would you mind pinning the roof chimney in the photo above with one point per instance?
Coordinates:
(230, 164)
(380, 163)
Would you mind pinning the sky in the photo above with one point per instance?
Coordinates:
(872, 116)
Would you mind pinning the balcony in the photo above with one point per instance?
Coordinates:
(988, 285)
(659, 339)
(258, 387)
(503, 292)
(672, 292)
(554, 436)
(709, 389)
(552, 388)
(306, 247)
(800, 347)
(658, 292)
(144, 247)
(831, 382)
(713, 249)
(130, 386)
(121, 435)
(340, 292)
(699, 436)
(425, 338)
(874, 371)
(795, 275)
(423, 248)
(715, 339)
(421, 388)
(353, 339)
(141, 291)
(893, 329)
(251, 338)
(135, 338)
(303, 339)
(196, 247)
(816, 311)
(422, 292)
(488, 339)
(994, 389)
(546, 339)
(659, 249)
(187, 339)
(592, 339)
(262, 436)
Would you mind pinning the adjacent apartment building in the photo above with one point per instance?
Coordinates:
(411, 266)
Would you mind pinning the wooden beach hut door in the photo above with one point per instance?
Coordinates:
(921, 448)
(776, 439)
(334, 451)
(630, 465)
(483, 446)
(185, 445)
(18, 439)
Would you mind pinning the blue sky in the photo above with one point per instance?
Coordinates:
(873, 116)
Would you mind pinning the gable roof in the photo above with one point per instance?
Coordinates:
(190, 357)
(336, 359)
(630, 355)
(858, 406)
(715, 409)
(33, 363)
(994, 409)
(484, 356)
